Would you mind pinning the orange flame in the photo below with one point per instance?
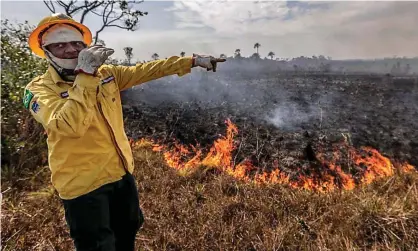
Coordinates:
(372, 163)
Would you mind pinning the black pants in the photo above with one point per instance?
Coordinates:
(106, 219)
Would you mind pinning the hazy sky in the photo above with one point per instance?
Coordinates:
(355, 29)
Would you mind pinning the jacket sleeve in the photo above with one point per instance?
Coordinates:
(70, 116)
(128, 76)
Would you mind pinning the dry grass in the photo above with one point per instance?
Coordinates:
(205, 210)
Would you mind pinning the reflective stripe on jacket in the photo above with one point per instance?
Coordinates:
(87, 144)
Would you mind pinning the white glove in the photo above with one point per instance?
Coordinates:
(91, 58)
(206, 61)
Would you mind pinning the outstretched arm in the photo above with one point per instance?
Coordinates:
(128, 76)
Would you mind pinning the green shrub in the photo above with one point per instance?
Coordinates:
(22, 139)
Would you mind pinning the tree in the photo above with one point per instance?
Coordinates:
(407, 69)
(182, 53)
(256, 46)
(255, 56)
(114, 13)
(128, 54)
(271, 55)
(155, 56)
(237, 53)
(222, 56)
(112, 61)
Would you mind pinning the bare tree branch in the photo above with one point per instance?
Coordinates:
(96, 13)
(50, 5)
(78, 8)
(65, 6)
(89, 8)
(106, 17)
(62, 4)
(111, 11)
(115, 19)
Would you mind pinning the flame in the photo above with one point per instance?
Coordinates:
(368, 162)
(376, 165)
(405, 167)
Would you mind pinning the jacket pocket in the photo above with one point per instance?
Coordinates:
(111, 95)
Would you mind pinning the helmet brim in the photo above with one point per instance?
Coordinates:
(34, 42)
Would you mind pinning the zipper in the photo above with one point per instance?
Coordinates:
(113, 138)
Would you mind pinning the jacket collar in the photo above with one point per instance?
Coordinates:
(56, 78)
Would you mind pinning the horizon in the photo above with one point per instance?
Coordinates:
(340, 30)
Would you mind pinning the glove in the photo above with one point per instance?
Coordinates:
(207, 62)
(91, 58)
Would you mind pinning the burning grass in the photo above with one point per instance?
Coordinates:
(206, 209)
(327, 174)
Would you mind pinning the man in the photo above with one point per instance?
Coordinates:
(78, 102)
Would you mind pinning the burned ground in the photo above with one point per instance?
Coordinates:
(286, 118)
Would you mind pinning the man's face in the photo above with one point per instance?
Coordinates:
(68, 50)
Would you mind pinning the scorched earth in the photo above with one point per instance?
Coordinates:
(318, 132)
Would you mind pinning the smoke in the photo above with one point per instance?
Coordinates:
(257, 90)
(289, 116)
(205, 88)
(302, 108)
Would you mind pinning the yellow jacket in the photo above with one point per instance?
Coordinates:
(83, 119)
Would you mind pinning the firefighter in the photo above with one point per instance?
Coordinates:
(78, 103)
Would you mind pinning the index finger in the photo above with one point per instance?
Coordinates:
(96, 46)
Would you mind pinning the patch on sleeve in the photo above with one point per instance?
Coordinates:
(64, 94)
(107, 80)
(27, 98)
(35, 107)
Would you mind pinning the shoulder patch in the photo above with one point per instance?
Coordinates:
(35, 107)
(27, 98)
(107, 80)
(64, 94)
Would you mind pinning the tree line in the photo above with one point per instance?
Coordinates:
(321, 63)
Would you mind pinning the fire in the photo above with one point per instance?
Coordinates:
(369, 161)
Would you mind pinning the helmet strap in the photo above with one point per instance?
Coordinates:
(64, 67)
(65, 74)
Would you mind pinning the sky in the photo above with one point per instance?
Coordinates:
(341, 30)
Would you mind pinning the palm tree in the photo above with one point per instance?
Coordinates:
(237, 53)
(155, 56)
(271, 55)
(256, 46)
(128, 54)
(222, 56)
(182, 53)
